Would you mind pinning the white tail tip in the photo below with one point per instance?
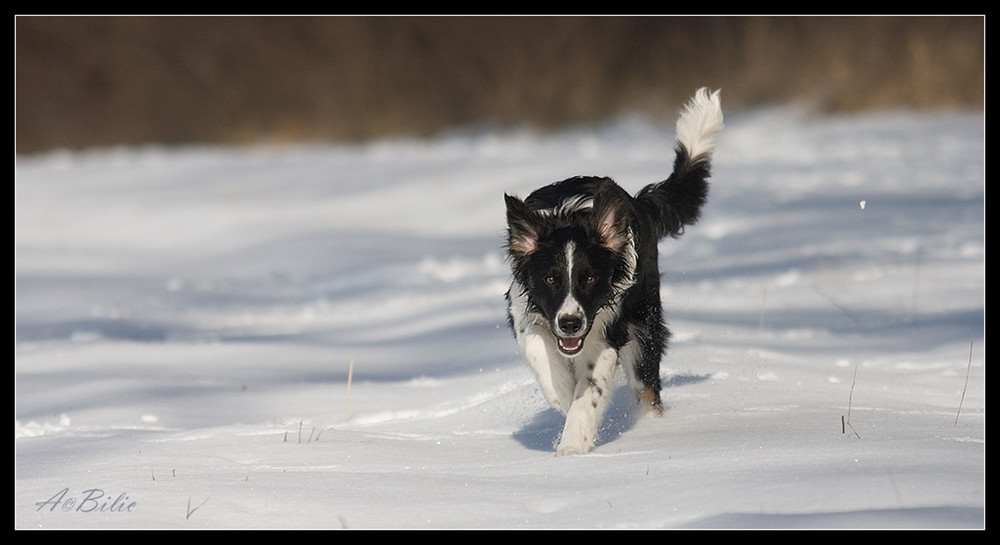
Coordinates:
(700, 123)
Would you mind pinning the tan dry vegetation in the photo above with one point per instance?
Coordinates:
(99, 81)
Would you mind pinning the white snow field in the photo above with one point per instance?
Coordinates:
(314, 336)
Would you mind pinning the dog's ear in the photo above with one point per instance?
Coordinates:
(522, 233)
(610, 218)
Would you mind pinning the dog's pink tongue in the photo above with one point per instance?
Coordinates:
(571, 344)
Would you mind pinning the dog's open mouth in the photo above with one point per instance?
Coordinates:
(570, 345)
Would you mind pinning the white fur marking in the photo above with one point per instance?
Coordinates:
(570, 306)
(591, 399)
(552, 369)
(700, 123)
(569, 205)
(631, 258)
(570, 250)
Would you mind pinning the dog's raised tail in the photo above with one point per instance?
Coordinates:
(677, 201)
(699, 125)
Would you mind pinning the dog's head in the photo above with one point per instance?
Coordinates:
(573, 255)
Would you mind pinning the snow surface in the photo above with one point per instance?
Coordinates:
(314, 336)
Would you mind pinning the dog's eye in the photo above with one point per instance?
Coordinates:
(591, 279)
(550, 280)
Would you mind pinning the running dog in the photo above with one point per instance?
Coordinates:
(585, 290)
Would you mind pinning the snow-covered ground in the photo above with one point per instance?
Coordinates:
(314, 336)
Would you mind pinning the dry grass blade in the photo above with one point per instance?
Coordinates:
(850, 403)
(966, 387)
(191, 511)
(347, 403)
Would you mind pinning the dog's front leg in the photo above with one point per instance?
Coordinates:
(555, 375)
(593, 394)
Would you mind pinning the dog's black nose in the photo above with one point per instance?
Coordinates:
(570, 324)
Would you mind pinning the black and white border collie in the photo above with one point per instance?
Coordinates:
(585, 295)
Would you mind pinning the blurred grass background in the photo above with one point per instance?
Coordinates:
(101, 81)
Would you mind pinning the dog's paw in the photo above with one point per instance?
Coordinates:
(649, 401)
(571, 450)
(570, 447)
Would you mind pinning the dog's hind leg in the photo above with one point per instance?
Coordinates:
(592, 396)
(641, 360)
